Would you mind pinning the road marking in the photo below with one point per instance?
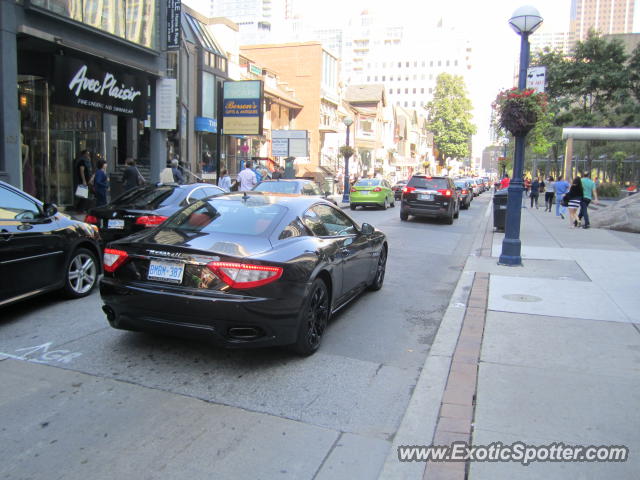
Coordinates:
(43, 354)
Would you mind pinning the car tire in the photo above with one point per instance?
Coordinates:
(393, 203)
(449, 220)
(457, 214)
(381, 268)
(81, 274)
(385, 204)
(352, 206)
(313, 319)
(404, 216)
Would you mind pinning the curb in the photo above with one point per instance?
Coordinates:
(418, 426)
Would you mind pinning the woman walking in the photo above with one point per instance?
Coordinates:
(101, 183)
(535, 192)
(548, 194)
(575, 200)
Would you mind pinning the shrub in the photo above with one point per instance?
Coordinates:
(609, 190)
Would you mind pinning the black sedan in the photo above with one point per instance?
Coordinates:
(43, 250)
(465, 192)
(145, 207)
(243, 269)
(397, 189)
(293, 186)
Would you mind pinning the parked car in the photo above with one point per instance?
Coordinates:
(465, 192)
(294, 186)
(474, 186)
(371, 192)
(43, 250)
(145, 207)
(426, 196)
(243, 270)
(397, 189)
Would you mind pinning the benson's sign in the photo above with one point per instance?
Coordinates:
(84, 84)
(242, 107)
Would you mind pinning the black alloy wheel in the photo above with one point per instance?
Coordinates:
(81, 274)
(404, 216)
(313, 319)
(378, 279)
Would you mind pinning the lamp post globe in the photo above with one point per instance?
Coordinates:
(348, 121)
(524, 21)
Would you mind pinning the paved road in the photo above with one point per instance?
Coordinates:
(123, 403)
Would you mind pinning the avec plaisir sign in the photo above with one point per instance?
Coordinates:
(242, 107)
(85, 84)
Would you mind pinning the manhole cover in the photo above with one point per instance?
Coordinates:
(519, 297)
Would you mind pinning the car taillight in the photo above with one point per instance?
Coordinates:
(243, 275)
(377, 189)
(113, 258)
(465, 192)
(353, 189)
(91, 219)
(445, 191)
(408, 189)
(150, 220)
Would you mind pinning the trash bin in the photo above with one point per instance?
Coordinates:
(500, 209)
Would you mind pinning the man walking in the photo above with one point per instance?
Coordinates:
(590, 192)
(561, 187)
(535, 192)
(247, 178)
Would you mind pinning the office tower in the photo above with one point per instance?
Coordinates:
(604, 16)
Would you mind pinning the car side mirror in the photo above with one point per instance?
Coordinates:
(367, 229)
(49, 209)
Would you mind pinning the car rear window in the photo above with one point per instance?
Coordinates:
(461, 184)
(428, 183)
(148, 198)
(368, 183)
(277, 187)
(254, 216)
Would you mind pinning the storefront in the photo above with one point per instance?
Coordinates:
(83, 83)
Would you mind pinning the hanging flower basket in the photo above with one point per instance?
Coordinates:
(519, 110)
(347, 151)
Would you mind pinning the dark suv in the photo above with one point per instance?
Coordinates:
(430, 197)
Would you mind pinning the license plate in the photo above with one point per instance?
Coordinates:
(166, 271)
(363, 192)
(115, 224)
(425, 196)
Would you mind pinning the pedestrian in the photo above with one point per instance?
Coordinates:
(549, 194)
(589, 193)
(264, 173)
(225, 181)
(177, 173)
(504, 183)
(560, 187)
(131, 177)
(101, 183)
(277, 173)
(574, 200)
(247, 178)
(535, 192)
(527, 186)
(82, 175)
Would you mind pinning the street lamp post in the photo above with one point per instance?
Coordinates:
(525, 21)
(348, 121)
(504, 161)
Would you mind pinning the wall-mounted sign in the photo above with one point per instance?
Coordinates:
(173, 24)
(204, 124)
(290, 143)
(85, 84)
(256, 70)
(536, 78)
(166, 107)
(242, 107)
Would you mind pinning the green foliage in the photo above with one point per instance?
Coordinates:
(519, 111)
(347, 151)
(450, 118)
(609, 190)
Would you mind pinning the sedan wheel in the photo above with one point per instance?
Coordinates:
(352, 206)
(313, 319)
(81, 274)
(404, 216)
(385, 205)
(378, 280)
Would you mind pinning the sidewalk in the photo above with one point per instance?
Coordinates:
(557, 358)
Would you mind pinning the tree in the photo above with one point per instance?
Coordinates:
(450, 118)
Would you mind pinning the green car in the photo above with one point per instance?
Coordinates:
(371, 192)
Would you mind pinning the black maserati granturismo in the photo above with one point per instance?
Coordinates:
(243, 269)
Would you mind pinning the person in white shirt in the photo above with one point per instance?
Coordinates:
(225, 181)
(247, 178)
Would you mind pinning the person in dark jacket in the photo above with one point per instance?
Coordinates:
(101, 183)
(177, 174)
(131, 176)
(574, 197)
(535, 192)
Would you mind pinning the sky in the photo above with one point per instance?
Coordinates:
(495, 45)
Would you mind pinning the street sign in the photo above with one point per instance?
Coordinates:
(280, 147)
(536, 78)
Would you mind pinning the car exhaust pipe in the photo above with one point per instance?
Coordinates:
(244, 333)
(110, 313)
